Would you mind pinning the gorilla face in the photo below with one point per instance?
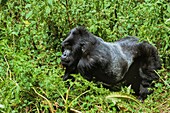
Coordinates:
(67, 58)
(72, 48)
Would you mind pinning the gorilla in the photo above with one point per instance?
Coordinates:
(127, 60)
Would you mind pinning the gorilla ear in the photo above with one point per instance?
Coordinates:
(86, 47)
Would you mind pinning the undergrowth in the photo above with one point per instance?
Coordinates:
(30, 71)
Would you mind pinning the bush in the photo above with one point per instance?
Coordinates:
(30, 36)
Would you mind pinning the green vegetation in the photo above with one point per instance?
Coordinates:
(30, 71)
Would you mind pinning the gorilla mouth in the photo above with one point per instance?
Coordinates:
(65, 62)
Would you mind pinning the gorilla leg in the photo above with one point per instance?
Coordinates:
(150, 62)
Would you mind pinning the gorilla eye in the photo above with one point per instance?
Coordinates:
(82, 44)
(73, 33)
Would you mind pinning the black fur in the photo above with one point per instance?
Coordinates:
(124, 60)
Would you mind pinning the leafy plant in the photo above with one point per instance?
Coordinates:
(118, 95)
(31, 33)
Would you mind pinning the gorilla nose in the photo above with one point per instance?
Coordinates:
(63, 56)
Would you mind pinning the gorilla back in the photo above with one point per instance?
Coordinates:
(124, 60)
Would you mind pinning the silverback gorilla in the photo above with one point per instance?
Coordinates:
(124, 60)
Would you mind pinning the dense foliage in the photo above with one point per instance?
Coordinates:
(30, 36)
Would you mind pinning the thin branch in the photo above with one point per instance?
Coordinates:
(162, 79)
(8, 69)
(49, 103)
(67, 12)
(68, 16)
(75, 111)
(79, 96)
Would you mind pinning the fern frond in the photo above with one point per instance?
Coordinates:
(119, 95)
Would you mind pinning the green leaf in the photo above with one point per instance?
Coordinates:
(28, 6)
(47, 10)
(58, 53)
(119, 95)
(168, 8)
(50, 2)
(29, 14)
(58, 60)
(2, 106)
